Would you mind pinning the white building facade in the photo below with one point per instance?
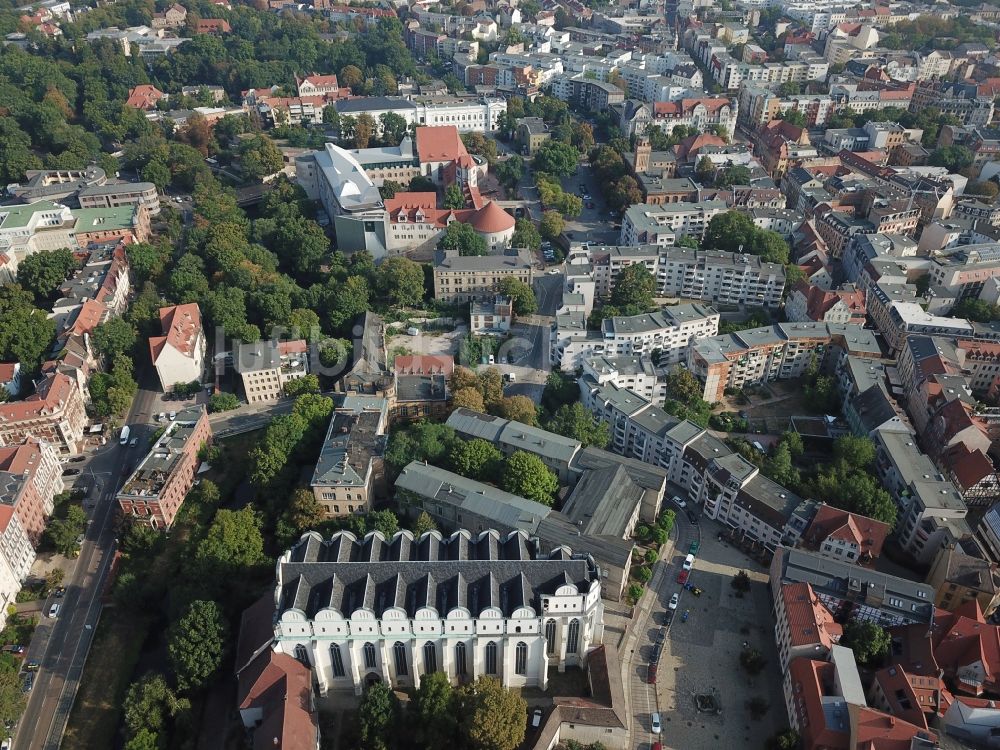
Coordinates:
(466, 605)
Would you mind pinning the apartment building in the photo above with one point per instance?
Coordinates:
(265, 367)
(462, 279)
(758, 105)
(350, 471)
(54, 413)
(31, 477)
(121, 194)
(662, 224)
(811, 302)
(154, 492)
(721, 278)
(179, 354)
(777, 352)
(958, 578)
(494, 317)
(636, 374)
(804, 626)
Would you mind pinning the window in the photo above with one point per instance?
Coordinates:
(550, 637)
(301, 654)
(430, 657)
(399, 653)
(573, 641)
(337, 660)
(491, 658)
(460, 667)
(521, 658)
(369, 652)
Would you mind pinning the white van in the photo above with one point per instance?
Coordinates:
(124, 438)
(688, 562)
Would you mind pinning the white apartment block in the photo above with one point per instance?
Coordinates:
(360, 611)
(636, 374)
(662, 224)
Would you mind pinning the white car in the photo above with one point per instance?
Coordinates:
(173, 416)
(674, 601)
(54, 610)
(654, 724)
(679, 502)
(688, 562)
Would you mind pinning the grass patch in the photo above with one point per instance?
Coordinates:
(117, 644)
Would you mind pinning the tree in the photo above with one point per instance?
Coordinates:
(555, 158)
(433, 712)
(389, 189)
(752, 660)
(422, 441)
(733, 175)
(525, 235)
(551, 225)
(43, 272)
(477, 143)
(468, 398)
(510, 171)
(704, 169)
(115, 336)
(476, 459)
(517, 409)
(300, 386)
(222, 402)
(453, 197)
(304, 511)
(423, 524)
(683, 386)
(634, 287)
(384, 521)
(869, 642)
(522, 295)
(401, 281)
(421, 184)
(232, 545)
(12, 697)
(492, 717)
(574, 421)
(954, 158)
(853, 452)
(149, 705)
(350, 76)
(394, 127)
(786, 740)
(793, 117)
(779, 467)
(525, 475)
(583, 136)
(463, 238)
(196, 644)
(259, 157)
(741, 582)
(63, 532)
(376, 714)
(987, 190)
(364, 130)
(975, 309)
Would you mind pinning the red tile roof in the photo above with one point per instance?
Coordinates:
(830, 522)
(143, 96)
(810, 680)
(903, 700)
(819, 301)
(967, 467)
(54, 391)
(809, 621)
(874, 730)
(7, 371)
(685, 106)
(281, 687)
(425, 364)
(492, 219)
(967, 649)
(439, 143)
(315, 80)
(694, 143)
(212, 26)
(181, 325)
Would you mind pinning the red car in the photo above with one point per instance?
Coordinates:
(657, 746)
(651, 674)
(682, 576)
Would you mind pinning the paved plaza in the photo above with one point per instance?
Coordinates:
(701, 656)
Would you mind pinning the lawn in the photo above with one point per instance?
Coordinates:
(106, 676)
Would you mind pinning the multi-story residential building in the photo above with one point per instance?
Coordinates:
(758, 105)
(492, 317)
(490, 605)
(179, 354)
(804, 627)
(703, 114)
(421, 387)
(636, 374)
(720, 278)
(474, 278)
(588, 93)
(811, 302)
(317, 85)
(350, 472)
(669, 331)
(662, 224)
(129, 223)
(36, 227)
(32, 478)
(121, 194)
(531, 134)
(761, 355)
(958, 578)
(931, 509)
(54, 413)
(266, 366)
(154, 492)
(841, 535)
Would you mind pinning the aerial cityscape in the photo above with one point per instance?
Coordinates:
(500, 375)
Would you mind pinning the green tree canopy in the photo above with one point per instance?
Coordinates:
(869, 642)
(462, 237)
(525, 475)
(115, 336)
(560, 159)
(476, 459)
(401, 281)
(551, 225)
(42, 273)
(574, 421)
(232, 545)
(453, 197)
(196, 644)
(522, 295)
(259, 157)
(525, 235)
(634, 287)
(954, 158)
(492, 717)
(517, 409)
(376, 714)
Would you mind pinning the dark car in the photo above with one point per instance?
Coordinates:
(668, 617)
(692, 516)
(70, 472)
(77, 459)
(590, 204)
(651, 674)
(31, 666)
(13, 648)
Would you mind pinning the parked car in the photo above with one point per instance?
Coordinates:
(54, 610)
(692, 517)
(668, 616)
(679, 501)
(654, 725)
(682, 576)
(60, 592)
(135, 442)
(651, 674)
(77, 459)
(586, 196)
(173, 416)
(31, 666)
(13, 648)
(536, 718)
(28, 683)
(674, 601)
(688, 562)
(693, 548)
(70, 472)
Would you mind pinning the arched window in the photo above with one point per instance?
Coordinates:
(337, 659)
(521, 658)
(491, 658)
(550, 637)
(369, 651)
(399, 652)
(430, 658)
(573, 639)
(460, 667)
(301, 654)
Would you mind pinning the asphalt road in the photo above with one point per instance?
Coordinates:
(61, 645)
(648, 618)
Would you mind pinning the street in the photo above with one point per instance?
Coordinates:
(61, 645)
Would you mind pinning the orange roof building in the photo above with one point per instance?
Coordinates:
(144, 96)
(845, 536)
(179, 354)
(54, 413)
(809, 302)
(805, 627)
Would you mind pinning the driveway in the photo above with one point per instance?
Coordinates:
(701, 656)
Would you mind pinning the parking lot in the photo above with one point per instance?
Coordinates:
(701, 656)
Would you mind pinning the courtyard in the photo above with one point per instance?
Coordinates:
(700, 658)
